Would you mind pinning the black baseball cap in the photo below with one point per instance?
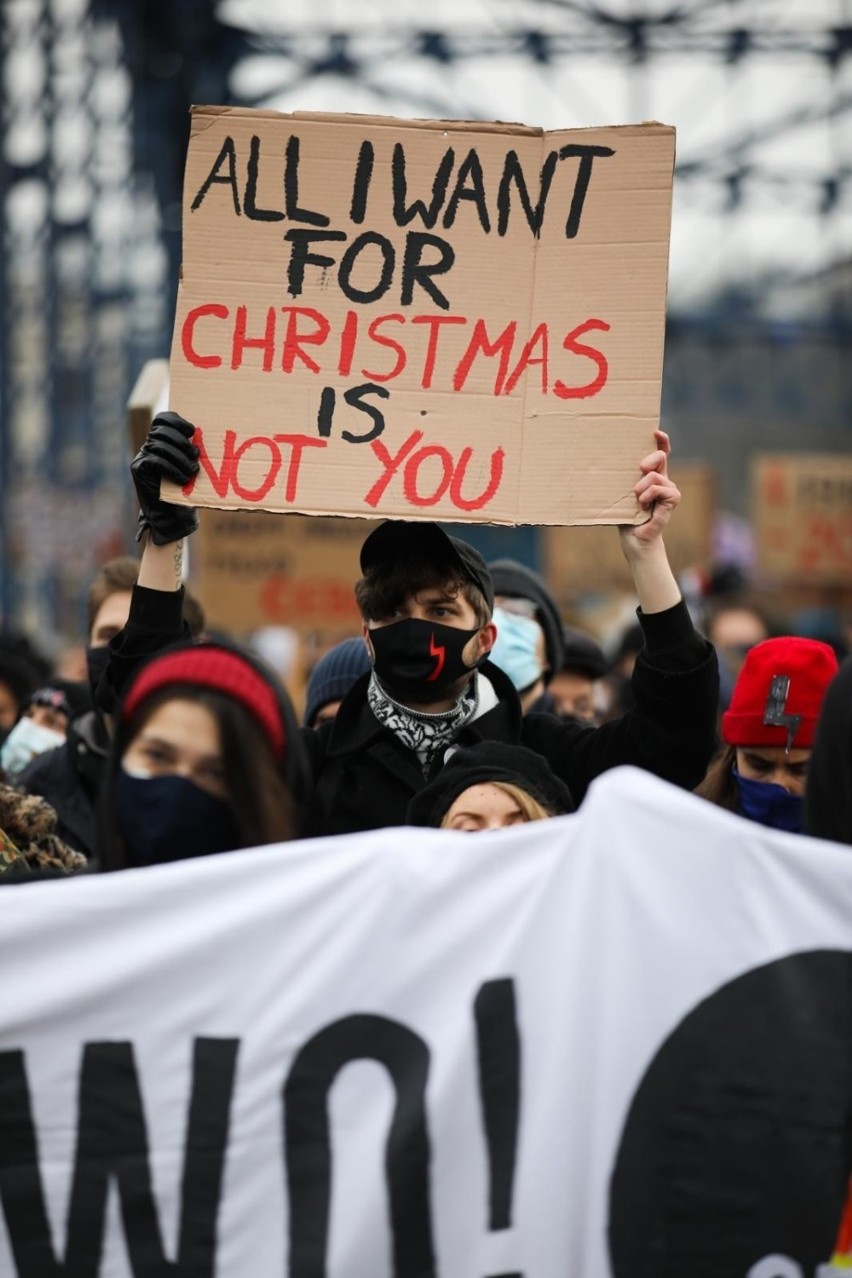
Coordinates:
(393, 540)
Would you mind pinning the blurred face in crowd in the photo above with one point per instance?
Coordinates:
(8, 707)
(774, 765)
(483, 807)
(181, 738)
(111, 618)
(446, 607)
(574, 694)
(326, 713)
(48, 717)
(734, 631)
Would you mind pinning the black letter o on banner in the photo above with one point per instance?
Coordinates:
(307, 1146)
(347, 263)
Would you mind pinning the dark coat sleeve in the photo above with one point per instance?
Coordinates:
(155, 623)
(671, 730)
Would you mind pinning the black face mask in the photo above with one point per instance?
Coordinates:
(96, 664)
(170, 818)
(417, 659)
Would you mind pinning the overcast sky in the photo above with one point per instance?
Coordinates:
(789, 101)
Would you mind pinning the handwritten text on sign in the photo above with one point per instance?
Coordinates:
(383, 317)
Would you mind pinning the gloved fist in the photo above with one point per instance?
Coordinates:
(168, 453)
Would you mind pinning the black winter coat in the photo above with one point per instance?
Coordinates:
(365, 777)
(69, 778)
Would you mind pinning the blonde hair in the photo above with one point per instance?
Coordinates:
(530, 807)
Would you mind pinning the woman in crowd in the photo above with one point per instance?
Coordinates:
(490, 786)
(768, 730)
(206, 758)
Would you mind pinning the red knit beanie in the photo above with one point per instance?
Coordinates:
(223, 671)
(778, 693)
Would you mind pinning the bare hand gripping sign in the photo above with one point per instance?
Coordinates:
(428, 319)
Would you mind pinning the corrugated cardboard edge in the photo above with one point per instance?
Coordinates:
(198, 112)
(148, 389)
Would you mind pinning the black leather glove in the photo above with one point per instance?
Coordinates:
(168, 453)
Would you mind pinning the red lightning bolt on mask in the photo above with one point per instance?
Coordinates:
(439, 652)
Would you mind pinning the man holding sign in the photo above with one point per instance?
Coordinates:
(429, 320)
(427, 601)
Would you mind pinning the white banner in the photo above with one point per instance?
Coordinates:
(612, 1044)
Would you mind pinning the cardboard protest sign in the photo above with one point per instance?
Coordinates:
(427, 319)
(258, 569)
(588, 1046)
(582, 560)
(802, 510)
(148, 397)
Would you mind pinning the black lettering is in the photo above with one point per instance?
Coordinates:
(354, 397)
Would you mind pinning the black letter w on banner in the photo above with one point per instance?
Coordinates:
(308, 1148)
(112, 1143)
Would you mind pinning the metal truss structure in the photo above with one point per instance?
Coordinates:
(95, 97)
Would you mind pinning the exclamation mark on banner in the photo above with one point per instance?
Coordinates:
(499, 1056)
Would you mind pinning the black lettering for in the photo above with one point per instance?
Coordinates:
(428, 215)
(300, 256)
(470, 170)
(112, 1144)
(228, 153)
(250, 200)
(291, 188)
(307, 1144)
(587, 156)
(414, 271)
(347, 263)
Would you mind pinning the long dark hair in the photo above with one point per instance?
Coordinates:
(720, 785)
(266, 795)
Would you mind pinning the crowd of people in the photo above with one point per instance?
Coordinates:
(466, 703)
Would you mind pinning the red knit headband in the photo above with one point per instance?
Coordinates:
(221, 670)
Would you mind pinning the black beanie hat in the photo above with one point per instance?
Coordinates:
(483, 763)
(68, 696)
(334, 674)
(516, 581)
(584, 653)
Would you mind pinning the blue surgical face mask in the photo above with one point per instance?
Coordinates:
(516, 648)
(770, 804)
(170, 818)
(26, 740)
